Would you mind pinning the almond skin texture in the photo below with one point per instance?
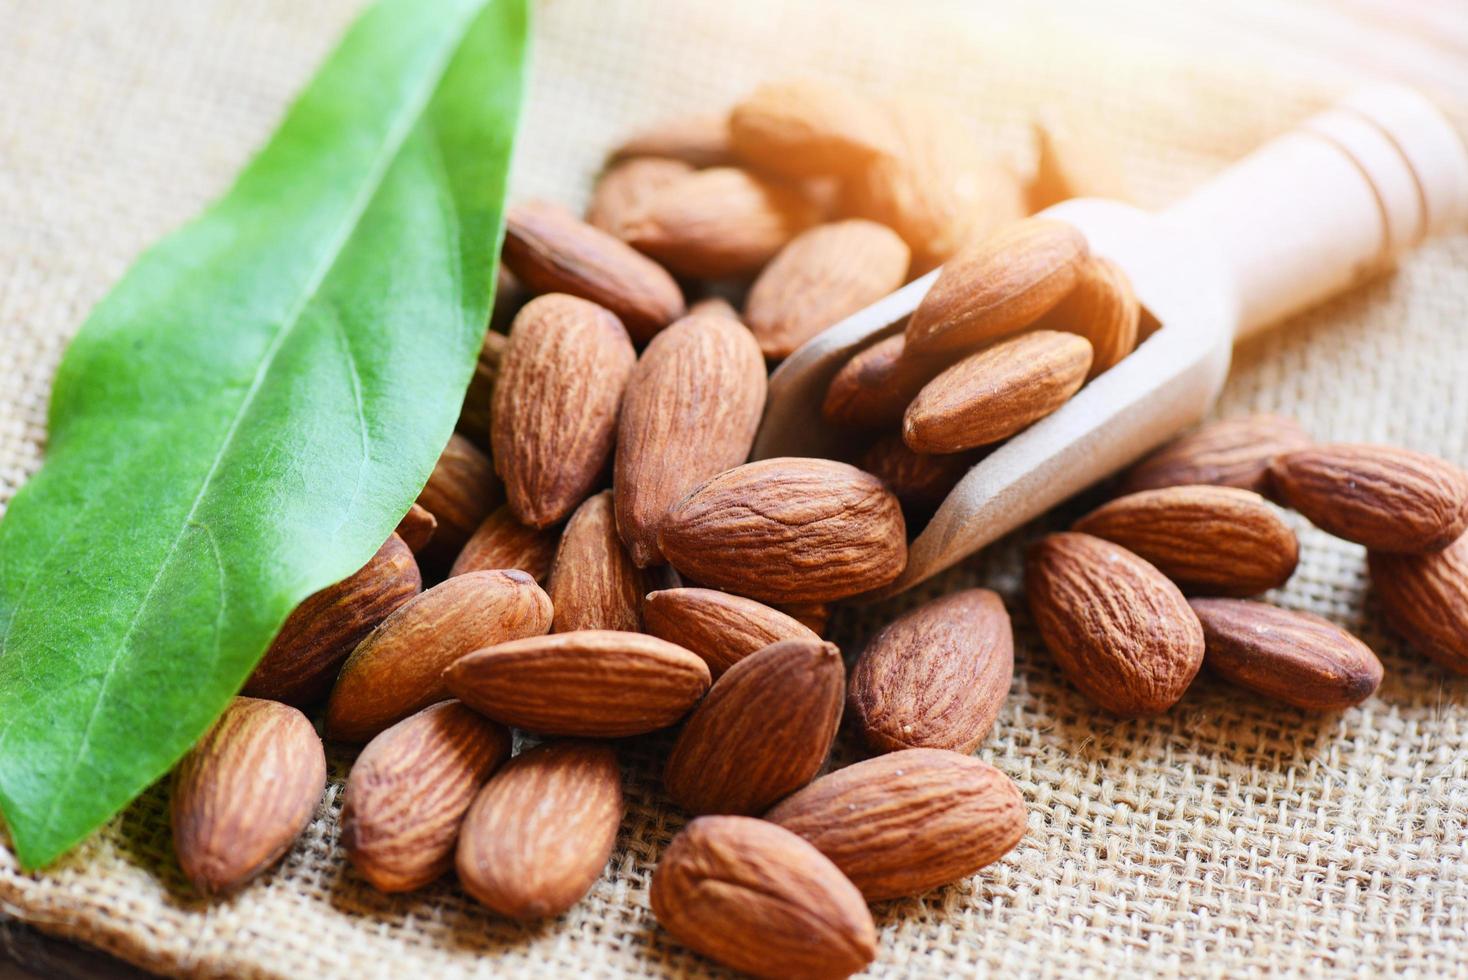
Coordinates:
(789, 530)
(324, 630)
(408, 791)
(550, 250)
(417, 527)
(399, 668)
(556, 403)
(1426, 600)
(1103, 308)
(1117, 627)
(243, 795)
(763, 731)
(920, 480)
(595, 586)
(461, 491)
(1386, 498)
(937, 676)
(907, 822)
(997, 286)
(719, 223)
(592, 683)
(540, 832)
(691, 411)
(699, 141)
(474, 414)
(502, 542)
(807, 128)
(1231, 453)
(873, 389)
(1295, 657)
(721, 628)
(1211, 540)
(755, 897)
(991, 395)
(823, 276)
(625, 187)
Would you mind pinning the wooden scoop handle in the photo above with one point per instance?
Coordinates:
(1326, 205)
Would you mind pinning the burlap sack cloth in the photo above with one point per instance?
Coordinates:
(1228, 836)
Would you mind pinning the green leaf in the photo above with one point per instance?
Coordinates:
(245, 417)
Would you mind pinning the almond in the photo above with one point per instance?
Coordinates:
(1119, 629)
(408, 791)
(920, 481)
(474, 415)
(1213, 540)
(1103, 308)
(823, 276)
(460, 492)
(594, 585)
(1386, 498)
(540, 832)
(814, 616)
(1295, 657)
(398, 668)
(997, 286)
(907, 822)
(1231, 453)
(874, 388)
(417, 527)
(937, 676)
(502, 542)
(555, 407)
(991, 395)
(763, 731)
(699, 141)
(625, 187)
(755, 897)
(789, 530)
(1426, 600)
(807, 128)
(1074, 160)
(323, 631)
(721, 628)
(243, 795)
(691, 411)
(592, 683)
(719, 223)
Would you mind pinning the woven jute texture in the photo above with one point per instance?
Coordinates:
(1228, 837)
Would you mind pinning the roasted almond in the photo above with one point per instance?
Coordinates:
(1074, 160)
(874, 388)
(755, 897)
(909, 821)
(243, 795)
(763, 731)
(721, 628)
(1231, 453)
(502, 542)
(937, 676)
(789, 530)
(1295, 657)
(920, 481)
(997, 286)
(1210, 540)
(555, 406)
(460, 492)
(540, 832)
(398, 668)
(1426, 599)
(625, 187)
(699, 141)
(417, 527)
(474, 414)
(592, 683)
(823, 276)
(408, 790)
(1103, 308)
(991, 395)
(691, 411)
(594, 585)
(807, 128)
(1117, 627)
(324, 630)
(1386, 498)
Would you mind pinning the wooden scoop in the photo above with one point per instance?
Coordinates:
(1306, 216)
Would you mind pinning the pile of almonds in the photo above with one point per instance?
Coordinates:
(602, 563)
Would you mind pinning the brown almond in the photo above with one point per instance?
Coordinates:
(460, 492)
(1295, 657)
(1118, 628)
(1074, 160)
(1426, 600)
(699, 141)
(937, 676)
(909, 821)
(721, 628)
(556, 404)
(398, 668)
(592, 683)
(755, 897)
(1230, 453)
(409, 789)
(763, 731)
(691, 411)
(474, 414)
(997, 286)
(624, 187)
(991, 395)
(1388, 499)
(502, 542)
(823, 276)
(789, 530)
(874, 388)
(243, 795)
(1103, 308)
(540, 832)
(417, 527)
(920, 481)
(594, 585)
(324, 630)
(808, 128)
(1214, 540)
